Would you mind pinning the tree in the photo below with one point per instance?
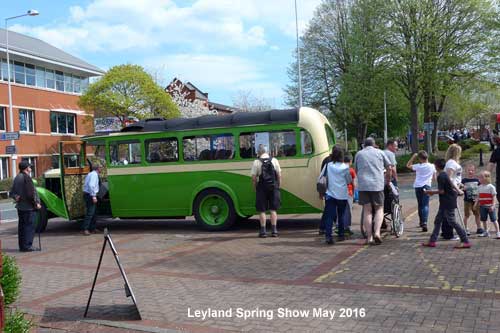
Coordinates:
(244, 100)
(127, 90)
(188, 108)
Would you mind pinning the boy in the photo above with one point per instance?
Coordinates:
(486, 202)
(471, 185)
(447, 207)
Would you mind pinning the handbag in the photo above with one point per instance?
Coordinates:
(322, 183)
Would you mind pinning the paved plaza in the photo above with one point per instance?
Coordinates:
(288, 284)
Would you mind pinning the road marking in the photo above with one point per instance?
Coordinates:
(8, 221)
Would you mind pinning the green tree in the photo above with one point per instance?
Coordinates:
(128, 90)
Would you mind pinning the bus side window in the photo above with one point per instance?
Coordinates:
(162, 150)
(206, 148)
(125, 153)
(305, 143)
(280, 144)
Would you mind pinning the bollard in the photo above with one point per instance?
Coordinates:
(481, 158)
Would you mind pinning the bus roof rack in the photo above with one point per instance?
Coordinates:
(211, 121)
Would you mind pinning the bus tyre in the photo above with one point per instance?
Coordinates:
(41, 218)
(214, 210)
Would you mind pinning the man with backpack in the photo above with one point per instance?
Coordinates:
(266, 179)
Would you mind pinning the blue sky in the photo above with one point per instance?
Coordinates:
(222, 46)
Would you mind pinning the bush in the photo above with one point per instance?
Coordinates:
(16, 323)
(442, 145)
(10, 280)
(468, 143)
(6, 184)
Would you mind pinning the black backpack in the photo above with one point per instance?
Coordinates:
(267, 177)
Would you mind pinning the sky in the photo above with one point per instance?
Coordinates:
(223, 47)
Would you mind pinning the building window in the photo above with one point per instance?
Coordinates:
(5, 73)
(32, 162)
(2, 118)
(50, 79)
(19, 76)
(4, 167)
(59, 81)
(40, 77)
(27, 120)
(62, 123)
(162, 150)
(68, 83)
(30, 75)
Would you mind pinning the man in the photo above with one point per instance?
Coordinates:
(391, 148)
(495, 160)
(266, 179)
(90, 190)
(27, 200)
(370, 163)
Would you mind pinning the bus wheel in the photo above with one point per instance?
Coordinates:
(214, 210)
(41, 218)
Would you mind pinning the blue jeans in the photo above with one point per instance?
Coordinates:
(90, 213)
(423, 204)
(485, 213)
(334, 209)
(25, 228)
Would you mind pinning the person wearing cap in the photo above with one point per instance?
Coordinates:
(90, 190)
(27, 201)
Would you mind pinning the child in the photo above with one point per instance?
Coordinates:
(424, 172)
(447, 206)
(486, 203)
(471, 184)
(350, 200)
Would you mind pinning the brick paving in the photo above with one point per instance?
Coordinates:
(175, 269)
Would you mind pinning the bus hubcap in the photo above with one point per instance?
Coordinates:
(214, 210)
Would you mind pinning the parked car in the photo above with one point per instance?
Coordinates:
(445, 138)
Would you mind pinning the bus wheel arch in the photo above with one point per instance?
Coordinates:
(214, 209)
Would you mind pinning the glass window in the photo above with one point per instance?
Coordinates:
(19, 75)
(4, 70)
(210, 147)
(30, 75)
(40, 77)
(50, 79)
(280, 144)
(2, 118)
(32, 161)
(4, 168)
(162, 150)
(26, 120)
(125, 153)
(76, 84)
(306, 143)
(68, 83)
(329, 136)
(59, 81)
(71, 160)
(84, 84)
(55, 161)
(63, 123)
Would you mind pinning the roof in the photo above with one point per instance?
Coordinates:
(222, 107)
(197, 92)
(38, 49)
(209, 121)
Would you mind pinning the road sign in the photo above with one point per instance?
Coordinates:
(428, 127)
(9, 136)
(10, 149)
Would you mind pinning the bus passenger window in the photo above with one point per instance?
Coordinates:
(211, 147)
(306, 143)
(125, 153)
(162, 150)
(280, 144)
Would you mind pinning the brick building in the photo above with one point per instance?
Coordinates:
(46, 84)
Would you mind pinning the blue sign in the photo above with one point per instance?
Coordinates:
(9, 136)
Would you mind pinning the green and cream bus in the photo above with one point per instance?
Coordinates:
(200, 166)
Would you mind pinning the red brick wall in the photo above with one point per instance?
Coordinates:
(42, 142)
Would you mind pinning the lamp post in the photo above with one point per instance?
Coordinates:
(298, 55)
(30, 12)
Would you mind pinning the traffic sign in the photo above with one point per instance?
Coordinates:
(428, 127)
(10, 149)
(9, 136)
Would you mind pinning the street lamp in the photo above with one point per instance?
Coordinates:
(298, 55)
(30, 12)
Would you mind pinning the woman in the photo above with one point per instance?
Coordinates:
(336, 194)
(454, 171)
(425, 171)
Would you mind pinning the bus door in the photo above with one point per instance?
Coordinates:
(72, 159)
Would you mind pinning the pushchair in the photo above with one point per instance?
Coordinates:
(393, 212)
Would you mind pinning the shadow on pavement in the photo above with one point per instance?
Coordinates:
(117, 312)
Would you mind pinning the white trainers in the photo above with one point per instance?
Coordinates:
(484, 234)
(498, 235)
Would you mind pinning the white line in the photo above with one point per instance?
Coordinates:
(8, 221)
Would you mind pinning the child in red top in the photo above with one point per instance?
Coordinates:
(350, 189)
(486, 202)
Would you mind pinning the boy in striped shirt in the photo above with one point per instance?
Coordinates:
(486, 202)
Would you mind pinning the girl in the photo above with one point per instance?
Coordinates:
(425, 172)
(454, 171)
(486, 202)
